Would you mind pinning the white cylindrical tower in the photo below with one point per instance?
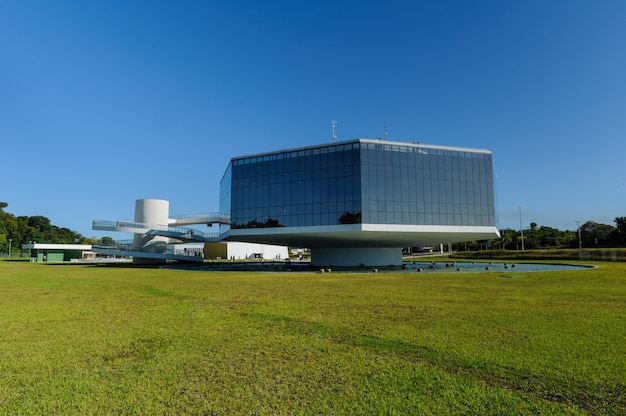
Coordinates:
(152, 212)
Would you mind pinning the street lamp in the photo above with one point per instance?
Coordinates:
(10, 239)
(520, 226)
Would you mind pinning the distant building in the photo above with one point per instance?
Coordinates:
(359, 202)
(244, 251)
(58, 252)
(159, 238)
(351, 203)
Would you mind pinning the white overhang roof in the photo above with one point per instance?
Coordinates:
(40, 246)
(373, 141)
(363, 235)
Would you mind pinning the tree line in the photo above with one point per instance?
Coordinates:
(24, 229)
(15, 231)
(591, 234)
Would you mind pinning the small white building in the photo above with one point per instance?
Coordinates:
(56, 252)
(244, 251)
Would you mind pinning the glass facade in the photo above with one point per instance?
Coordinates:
(364, 181)
(403, 184)
(315, 186)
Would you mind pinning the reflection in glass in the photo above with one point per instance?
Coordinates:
(361, 181)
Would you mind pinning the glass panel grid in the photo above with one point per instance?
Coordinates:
(354, 182)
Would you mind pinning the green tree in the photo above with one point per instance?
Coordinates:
(27, 232)
(8, 224)
(4, 243)
(507, 239)
(95, 240)
(107, 241)
(619, 233)
(40, 227)
(552, 237)
(24, 230)
(593, 234)
(531, 238)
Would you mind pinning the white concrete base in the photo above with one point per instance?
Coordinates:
(354, 257)
(251, 251)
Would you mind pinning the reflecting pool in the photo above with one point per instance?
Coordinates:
(425, 267)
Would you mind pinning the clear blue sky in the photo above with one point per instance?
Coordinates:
(106, 102)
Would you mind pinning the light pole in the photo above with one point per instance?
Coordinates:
(10, 239)
(521, 229)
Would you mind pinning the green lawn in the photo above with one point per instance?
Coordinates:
(83, 340)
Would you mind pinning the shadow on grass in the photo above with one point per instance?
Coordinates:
(565, 391)
(109, 265)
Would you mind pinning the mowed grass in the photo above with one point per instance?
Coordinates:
(81, 340)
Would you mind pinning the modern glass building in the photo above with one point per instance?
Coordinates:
(359, 202)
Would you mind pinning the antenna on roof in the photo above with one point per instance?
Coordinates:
(385, 132)
(332, 128)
